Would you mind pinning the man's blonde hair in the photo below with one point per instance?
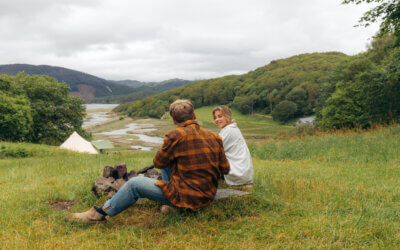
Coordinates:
(225, 111)
(181, 110)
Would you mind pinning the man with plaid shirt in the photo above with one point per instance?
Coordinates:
(191, 159)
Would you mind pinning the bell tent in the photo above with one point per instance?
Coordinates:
(76, 143)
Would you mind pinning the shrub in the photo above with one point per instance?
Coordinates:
(13, 152)
(15, 118)
(284, 111)
(305, 129)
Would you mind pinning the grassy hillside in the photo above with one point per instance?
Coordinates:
(254, 128)
(296, 79)
(327, 191)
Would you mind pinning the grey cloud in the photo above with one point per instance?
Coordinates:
(25, 9)
(156, 40)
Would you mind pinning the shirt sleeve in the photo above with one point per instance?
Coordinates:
(164, 155)
(224, 163)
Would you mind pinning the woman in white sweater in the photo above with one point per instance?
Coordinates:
(236, 150)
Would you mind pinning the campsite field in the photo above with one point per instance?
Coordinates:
(337, 190)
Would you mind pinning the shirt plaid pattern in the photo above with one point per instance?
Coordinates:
(197, 160)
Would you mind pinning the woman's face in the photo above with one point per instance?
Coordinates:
(219, 119)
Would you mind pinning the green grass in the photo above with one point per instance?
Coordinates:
(254, 128)
(353, 147)
(329, 191)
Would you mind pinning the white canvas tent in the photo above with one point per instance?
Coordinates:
(76, 143)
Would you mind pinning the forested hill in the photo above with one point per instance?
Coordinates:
(292, 82)
(83, 85)
(143, 90)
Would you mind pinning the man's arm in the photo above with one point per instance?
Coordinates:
(164, 155)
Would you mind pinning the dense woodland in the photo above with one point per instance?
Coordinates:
(38, 109)
(364, 90)
(295, 80)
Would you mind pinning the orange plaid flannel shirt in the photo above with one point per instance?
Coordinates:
(197, 160)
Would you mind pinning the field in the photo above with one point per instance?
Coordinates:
(254, 128)
(338, 190)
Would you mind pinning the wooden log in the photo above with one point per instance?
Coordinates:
(108, 171)
(121, 170)
(131, 174)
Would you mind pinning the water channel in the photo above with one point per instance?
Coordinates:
(97, 117)
(134, 129)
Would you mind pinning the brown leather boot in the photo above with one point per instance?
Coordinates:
(90, 216)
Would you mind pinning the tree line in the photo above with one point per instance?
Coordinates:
(38, 109)
(364, 90)
(295, 81)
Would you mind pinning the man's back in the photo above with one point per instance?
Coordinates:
(197, 160)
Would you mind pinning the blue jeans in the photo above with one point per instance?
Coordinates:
(135, 188)
(166, 173)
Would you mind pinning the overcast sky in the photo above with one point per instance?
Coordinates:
(153, 40)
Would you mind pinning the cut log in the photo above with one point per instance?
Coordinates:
(108, 171)
(117, 185)
(121, 170)
(103, 185)
(152, 173)
(131, 174)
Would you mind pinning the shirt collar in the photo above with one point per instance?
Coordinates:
(188, 122)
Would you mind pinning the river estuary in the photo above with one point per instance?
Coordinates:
(133, 135)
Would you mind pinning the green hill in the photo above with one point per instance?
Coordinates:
(83, 85)
(296, 79)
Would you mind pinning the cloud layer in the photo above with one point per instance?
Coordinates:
(158, 39)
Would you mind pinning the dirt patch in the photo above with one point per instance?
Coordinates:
(61, 205)
(85, 92)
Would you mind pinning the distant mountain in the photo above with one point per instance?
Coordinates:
(132, 83)
(166, 85)
(143, 89)
(156, 86)
(94, 89)
(83, 85)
